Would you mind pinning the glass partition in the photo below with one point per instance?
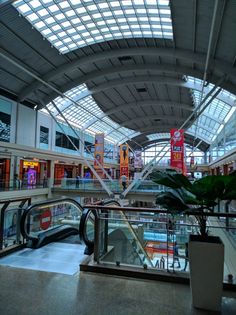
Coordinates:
(11, 227)
(48, 216)
(154, 241)
(85, 184)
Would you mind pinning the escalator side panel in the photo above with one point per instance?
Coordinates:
(54, 235)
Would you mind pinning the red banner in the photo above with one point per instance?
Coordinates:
(177, 149)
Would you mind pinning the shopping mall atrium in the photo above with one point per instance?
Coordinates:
(96, 96)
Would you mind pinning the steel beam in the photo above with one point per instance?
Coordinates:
(180, 54)
(146, 171)
(110, 194)
(128, 106)
(119, 70)
(148, 117)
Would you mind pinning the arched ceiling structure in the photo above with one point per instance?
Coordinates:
(130, 68)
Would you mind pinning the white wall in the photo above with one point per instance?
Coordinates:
(26, 126)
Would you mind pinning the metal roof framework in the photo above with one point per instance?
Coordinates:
(127, 76)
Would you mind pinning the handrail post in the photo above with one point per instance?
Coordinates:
(96, 236)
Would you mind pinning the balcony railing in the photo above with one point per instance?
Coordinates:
(120, 240)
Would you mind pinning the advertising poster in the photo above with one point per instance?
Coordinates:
(99, 153)
(177, 149)
(124, 160)
(138, 162)
(10, 225)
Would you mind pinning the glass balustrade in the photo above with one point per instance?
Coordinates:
(11, 227)
(115, 185)
(154, 241)
(50, 215)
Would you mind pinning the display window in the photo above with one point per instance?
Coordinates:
(30, 172)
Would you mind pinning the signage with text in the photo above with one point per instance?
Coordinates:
(177, 149)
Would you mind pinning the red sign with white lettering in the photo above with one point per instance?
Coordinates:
(177, 149)
(45, 219)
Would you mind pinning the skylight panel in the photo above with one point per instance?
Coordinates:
(157, 136)
(124, 16)
(216, 114)
(80, 110)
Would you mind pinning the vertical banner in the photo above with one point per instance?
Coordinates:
(138, 162)
(124, 160)
(192, 162)
(99, 153)
(177, 149)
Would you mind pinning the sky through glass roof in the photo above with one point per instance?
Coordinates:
(213, 118)
(73, 24)
(79, 111)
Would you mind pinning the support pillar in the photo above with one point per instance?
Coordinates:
(225, 169)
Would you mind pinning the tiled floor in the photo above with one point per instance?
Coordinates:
(55, 257)
(29, 292)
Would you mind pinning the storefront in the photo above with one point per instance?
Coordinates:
(66, 171)
(34, 172)
(4, 173)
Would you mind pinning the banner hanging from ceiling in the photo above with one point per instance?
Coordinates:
(99, 153)
(124, 160)
(138, 162)
(177, 149)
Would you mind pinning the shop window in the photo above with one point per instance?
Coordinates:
(108, 153)
(63, 142)
(44, 135)
(88, 147)
(5, 127)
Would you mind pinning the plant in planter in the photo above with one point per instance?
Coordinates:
(206, 253)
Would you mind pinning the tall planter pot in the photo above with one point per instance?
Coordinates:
(206, 261)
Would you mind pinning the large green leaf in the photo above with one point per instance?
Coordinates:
(170, 179)
(208, 188)
(230, 187)
(171, 202)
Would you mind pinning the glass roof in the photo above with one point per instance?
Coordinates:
(79, 111)
(213, 118)
(79, 108)
(72, 24)
(156, 136)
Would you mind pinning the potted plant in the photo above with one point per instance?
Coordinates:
(206, 252)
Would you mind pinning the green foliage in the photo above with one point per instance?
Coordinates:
(198, 197)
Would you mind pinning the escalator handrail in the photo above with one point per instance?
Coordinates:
(24, 233)
(85, 215)
(90, 243)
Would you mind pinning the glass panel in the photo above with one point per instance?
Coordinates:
(81, 109)
(47, 217)
(130, 19)
(216, 114)
(156, 136)
(11, 228)
(156, 241)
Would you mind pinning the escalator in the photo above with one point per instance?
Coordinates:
(120, 239)
(50, 221)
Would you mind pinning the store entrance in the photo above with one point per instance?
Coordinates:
(30, 173)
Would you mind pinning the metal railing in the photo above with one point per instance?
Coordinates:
(115, 186)
(163, 237)
(22, 184)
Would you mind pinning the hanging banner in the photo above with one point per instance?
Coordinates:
(192, 162)
(99, 153)
(177, 149)
(124, 160)
(138, 162)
